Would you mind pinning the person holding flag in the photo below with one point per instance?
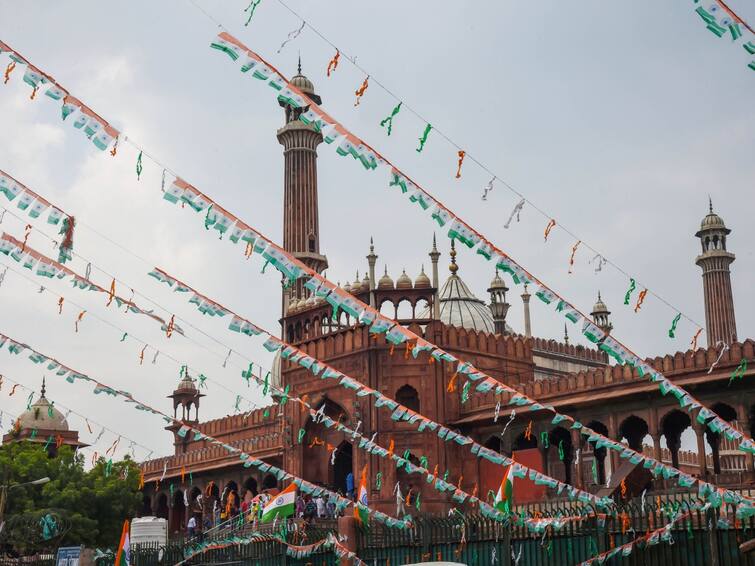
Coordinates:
(281, 505)
(360, 506)
(123, 556)
(504, 499)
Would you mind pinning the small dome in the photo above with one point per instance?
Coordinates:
(422, 281)
(293, 305)
(712, 220)
(497, 283)
(186, 384)
(599, 306)
(346, 287)
(403, 282)
(366, 283)
(356, 286)
(38, 416)
(385, 282)
(303, 84)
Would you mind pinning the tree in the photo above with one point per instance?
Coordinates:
(94, 502)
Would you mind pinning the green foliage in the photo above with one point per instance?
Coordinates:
(96, 501)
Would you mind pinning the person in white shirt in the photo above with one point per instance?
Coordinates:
(191, 526)
(320, 502)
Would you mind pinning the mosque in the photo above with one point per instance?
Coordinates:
(44, 424)
(576, 380)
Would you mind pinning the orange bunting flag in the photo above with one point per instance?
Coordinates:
(141, 479)
(409, 497)
(461, 479)
(58, 441)
(360, 91)
(115, 147)
(549, 227)
(183, 474)
(9, 70)
(528, 431)
(452, 383)
(78, 320)
(249, 250)
(391, 350)
(60, 305)
(474, 491)
(334, 62)
(695, 337)
(462, 154)
(111, 293)
(171, 326)
(640, 300)
(391, 446)
(573, 253)
(435, 471)
(141, 355)
(623, 488)
(34, 93)
(303, 401)
(407, 350)
(27, 233)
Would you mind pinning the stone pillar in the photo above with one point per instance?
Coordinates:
(743, 418)
(527, 322)
(347, 529)
(701, 461)
(613, 434)
(577, 474)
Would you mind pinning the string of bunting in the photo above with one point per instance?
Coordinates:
(248, 461)
(94, 127)
(721, 21)
(331, 542)
(49, 268)
(458, 229)
(484, 385)
(202, 379)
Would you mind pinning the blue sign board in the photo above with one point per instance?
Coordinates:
(68, 556)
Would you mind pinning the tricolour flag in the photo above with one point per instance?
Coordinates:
(123, 557)
(360, 508)
(282, 505)
(226, 47)
(504, 499)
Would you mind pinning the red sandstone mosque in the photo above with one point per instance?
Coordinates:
(576, 380)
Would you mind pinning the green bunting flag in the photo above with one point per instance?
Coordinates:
(423, 139)
(300, 436)
(561, 450)
(251, 8)
(202, 379)
(28, 401)
(123, 338)
(739, 372)
(544, 439)
(378, 480)
(389, 120)
(139, 167)
(632, 287)
(238, 401)
(465, 391)
(672, 330)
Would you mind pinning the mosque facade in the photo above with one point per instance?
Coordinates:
(576, 380)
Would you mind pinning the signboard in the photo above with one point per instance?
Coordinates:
(68, 556)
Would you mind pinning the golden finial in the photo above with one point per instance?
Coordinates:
(453, 268)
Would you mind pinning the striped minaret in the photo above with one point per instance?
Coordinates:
(714, 260)
(301, 225)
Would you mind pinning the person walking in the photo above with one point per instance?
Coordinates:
(191, 526)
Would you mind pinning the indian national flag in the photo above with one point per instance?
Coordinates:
(281, 506)
(360, 508)
(504, 499)
(123, 558)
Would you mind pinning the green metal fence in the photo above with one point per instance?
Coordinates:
(709, 537)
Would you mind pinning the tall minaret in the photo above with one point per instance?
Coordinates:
(714, 261)
(301, 226)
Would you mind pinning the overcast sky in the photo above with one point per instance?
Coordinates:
(618, 119)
